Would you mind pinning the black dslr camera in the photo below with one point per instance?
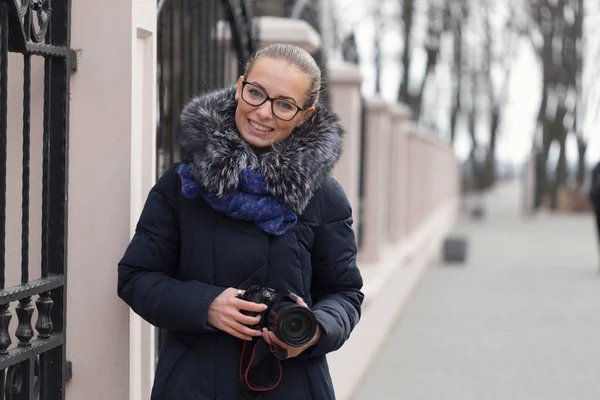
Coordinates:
(293, 324)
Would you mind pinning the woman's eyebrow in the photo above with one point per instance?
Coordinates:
(279, 97)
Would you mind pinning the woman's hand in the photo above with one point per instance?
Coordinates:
(224, 314)
(270, 337)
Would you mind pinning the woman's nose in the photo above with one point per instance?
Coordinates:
(265, 110)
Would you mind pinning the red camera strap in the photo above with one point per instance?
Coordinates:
(244, 372)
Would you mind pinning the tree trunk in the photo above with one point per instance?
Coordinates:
(407, 16)
(581, 150)
(457, 72)
(490, 160)
(378, 60)
(546, 140)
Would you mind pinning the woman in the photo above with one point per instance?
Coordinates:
(250, 204)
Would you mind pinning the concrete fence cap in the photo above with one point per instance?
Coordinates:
(401, 111)
(286, 30)
(375, 103)
(343, 72)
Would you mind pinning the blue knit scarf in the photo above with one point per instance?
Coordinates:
(251, 202)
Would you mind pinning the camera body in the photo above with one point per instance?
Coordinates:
(293, 324)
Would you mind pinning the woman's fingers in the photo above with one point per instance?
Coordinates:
(265, 334)
(233, 332)
(246, 319)
(244, 330)
(248, 305)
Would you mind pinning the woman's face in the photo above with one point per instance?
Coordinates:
(277, 79)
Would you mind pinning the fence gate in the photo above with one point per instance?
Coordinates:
(32, 345)
(202, 45)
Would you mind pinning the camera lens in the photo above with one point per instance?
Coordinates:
(293, 324)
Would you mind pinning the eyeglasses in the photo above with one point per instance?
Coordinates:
(281, 108)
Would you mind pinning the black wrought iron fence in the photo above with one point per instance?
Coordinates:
(32, 358)
(202, 45)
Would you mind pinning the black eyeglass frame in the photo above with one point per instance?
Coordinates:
(269, 98)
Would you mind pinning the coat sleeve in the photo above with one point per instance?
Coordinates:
(336, 282)
(147, 272)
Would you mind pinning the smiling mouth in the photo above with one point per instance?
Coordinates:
(259, 127)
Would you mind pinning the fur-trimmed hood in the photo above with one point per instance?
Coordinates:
(295, 168)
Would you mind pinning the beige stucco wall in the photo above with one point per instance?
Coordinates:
(111, 143)
(99, 164)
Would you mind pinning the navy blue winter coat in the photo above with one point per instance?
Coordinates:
(184, 254)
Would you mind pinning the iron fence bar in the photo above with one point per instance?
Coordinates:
(161, 89)
(3, 132)
(216, 43)
(5, 314)
(226, 50)
(160, 6)
(29, 375)
(46, 50)
(195, 56)
(182, 56)
(2, 383)
(54, 383)
(32, 288)
(191, 49)
(204, 32)
(50, 369)
(213, 50)
(25, 171)
(222, 41)
(239, 39)
(19, 354)
(45, 168)
(172, 80)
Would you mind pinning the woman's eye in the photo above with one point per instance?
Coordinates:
(256, 93)
(286, 106)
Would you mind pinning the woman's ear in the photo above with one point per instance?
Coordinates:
(238, 92)
(307, 113)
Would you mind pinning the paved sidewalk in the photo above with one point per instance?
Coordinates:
(519, 321)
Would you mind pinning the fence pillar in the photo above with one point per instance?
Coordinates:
(344, 88)
(111, 168)
(398, 168)
(375, 197)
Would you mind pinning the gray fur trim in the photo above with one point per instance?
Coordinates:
(295, 168)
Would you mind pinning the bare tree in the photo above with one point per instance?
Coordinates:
(436, 25)
(456, 15)
(556, 32)
(483, 55)
(408, 16)
(498, 55)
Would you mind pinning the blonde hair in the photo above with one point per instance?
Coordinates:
(296, 56)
